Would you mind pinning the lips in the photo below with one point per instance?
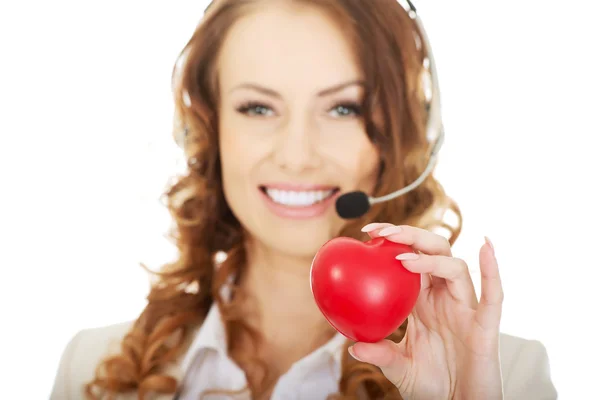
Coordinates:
(299, 195)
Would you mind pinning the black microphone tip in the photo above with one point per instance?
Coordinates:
(352, 205)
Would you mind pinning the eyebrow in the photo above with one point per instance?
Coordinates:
(273, 93)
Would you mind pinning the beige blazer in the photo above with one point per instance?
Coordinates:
(525, 365)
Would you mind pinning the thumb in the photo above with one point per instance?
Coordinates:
(384, 354)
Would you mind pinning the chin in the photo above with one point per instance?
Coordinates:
(292, 220)
(295, 239)
(301, 243)
(299, 230)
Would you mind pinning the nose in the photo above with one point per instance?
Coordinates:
(297, 146)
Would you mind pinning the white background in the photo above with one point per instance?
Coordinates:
(85, 152)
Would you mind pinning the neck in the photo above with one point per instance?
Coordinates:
(279, 289)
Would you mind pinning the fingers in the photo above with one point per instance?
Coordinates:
(419, 239)
(373, 229)
(453, 270)
(489, 311)
(436, 264)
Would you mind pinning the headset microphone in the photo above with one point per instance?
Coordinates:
(356, 204)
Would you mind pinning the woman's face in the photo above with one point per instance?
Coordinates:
(291, 133)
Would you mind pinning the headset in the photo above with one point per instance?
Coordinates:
(355, 204)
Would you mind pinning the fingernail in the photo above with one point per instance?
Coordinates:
(390, 231)
(407, 256)
(351, 351)
(370, 227)
(489, 242)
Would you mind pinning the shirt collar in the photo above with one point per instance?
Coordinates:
(211, 335)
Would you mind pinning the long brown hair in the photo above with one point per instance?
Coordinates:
(383, 38)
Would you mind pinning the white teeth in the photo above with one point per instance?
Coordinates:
(298, 199)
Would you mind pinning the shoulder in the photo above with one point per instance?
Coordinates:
(525, 369)
(81, 356)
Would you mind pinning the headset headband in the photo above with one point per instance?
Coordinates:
(430, 85)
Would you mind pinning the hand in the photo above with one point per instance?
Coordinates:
(451, 346)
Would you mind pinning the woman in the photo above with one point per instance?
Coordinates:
(286, 105)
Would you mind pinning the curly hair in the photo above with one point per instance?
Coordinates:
(383, 39)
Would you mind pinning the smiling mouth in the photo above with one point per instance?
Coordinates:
(298, 198)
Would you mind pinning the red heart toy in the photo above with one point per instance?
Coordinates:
(361, 289)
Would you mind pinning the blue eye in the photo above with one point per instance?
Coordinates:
(255, 109)
(346, 109)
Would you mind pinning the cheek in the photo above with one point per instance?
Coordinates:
(234, 160)
(368, 169)
(231, 157)
(241, 154)
(236, 164)
(360, 160)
